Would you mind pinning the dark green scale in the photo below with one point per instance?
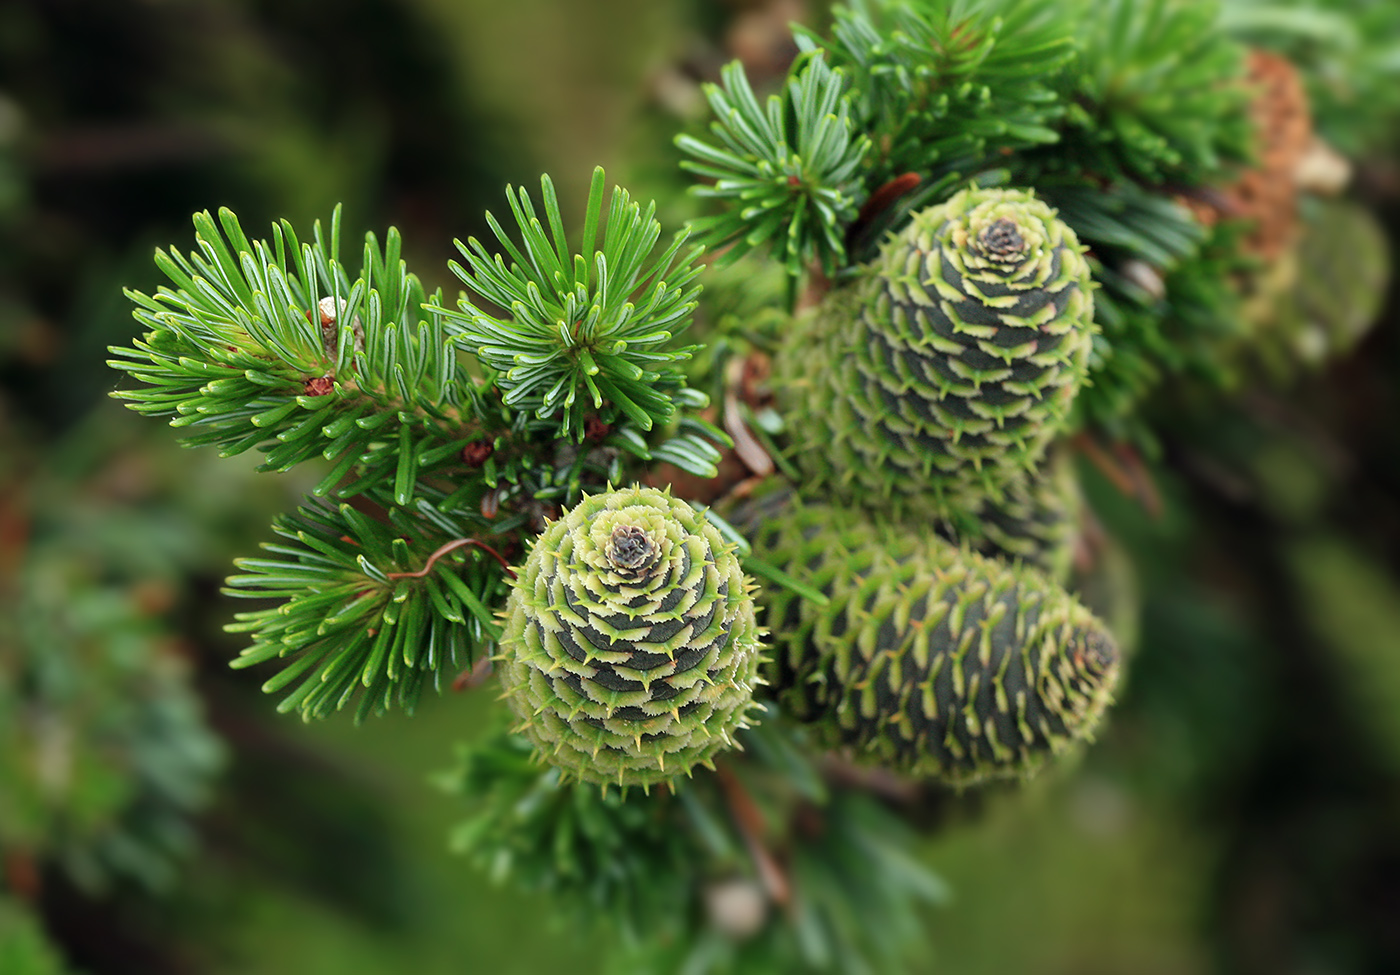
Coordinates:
(630, 650)
(940, 375)
(930, 659)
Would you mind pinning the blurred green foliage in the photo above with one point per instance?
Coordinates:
(23, 948)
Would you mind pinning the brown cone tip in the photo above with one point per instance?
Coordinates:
(1100, 652)
(630, 548)
(1002, 241)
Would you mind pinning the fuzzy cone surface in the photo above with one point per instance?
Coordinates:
(631, 648)
(943, 372)
(930, 659)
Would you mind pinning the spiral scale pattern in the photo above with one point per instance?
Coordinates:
(631, 649)
(930, 660)
(945, 370)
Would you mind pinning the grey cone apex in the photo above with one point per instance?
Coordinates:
(630, 550)
(1002, 241)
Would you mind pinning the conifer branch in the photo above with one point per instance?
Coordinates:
(358, 619)
(584, 333)
(277, 346)
(1159, 94)
(787, 170)
(645, 862)
(943, 87)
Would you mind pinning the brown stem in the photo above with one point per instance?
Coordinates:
(474, 676)
(1107, 466)
(1125, 469)
(885, 196)
(1147, 491)
(750, 823)
(882, 199)
(750, 451)
(21, 875)
(452, 546)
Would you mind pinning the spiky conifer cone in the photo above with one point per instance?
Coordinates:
(930, 659)
(631, 649)
(943, 372)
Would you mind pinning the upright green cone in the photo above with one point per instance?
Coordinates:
(946, 369)
(930, 659)
(631, 649)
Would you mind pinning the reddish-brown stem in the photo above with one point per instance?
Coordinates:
(750, 823)
(879, 201)
(452, 546)
(886, 195)
(1107, 466)
(1147, 492)
(21, 875)
(474, 676)
(1125, 469)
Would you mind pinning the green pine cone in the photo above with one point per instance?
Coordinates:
(930, 659)
(947, 368)
(631, 649)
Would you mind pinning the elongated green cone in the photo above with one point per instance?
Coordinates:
(944, 371)
(630, 649)
(930, 659)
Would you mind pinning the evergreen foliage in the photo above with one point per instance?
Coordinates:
(995, 207)
(942, 87)
(105, 755)
(108, 756)
(277, 346)
(762, 867)
(363, 620)
(1157, 95)
(1165, 305)
(596, 324)
(790, 166)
